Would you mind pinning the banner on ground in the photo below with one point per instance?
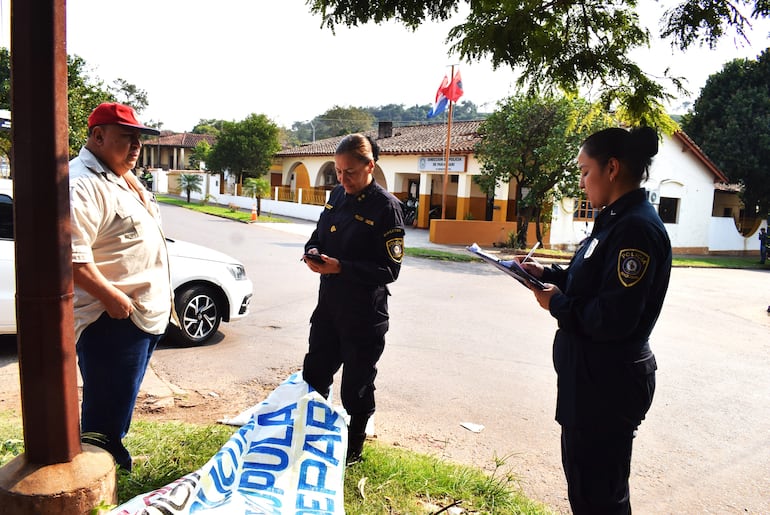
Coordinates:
(287, 458)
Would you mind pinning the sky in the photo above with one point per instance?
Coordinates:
(226, 59)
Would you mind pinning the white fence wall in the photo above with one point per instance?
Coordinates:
(723, 236)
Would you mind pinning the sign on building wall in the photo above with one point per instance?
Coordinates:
(436, 164)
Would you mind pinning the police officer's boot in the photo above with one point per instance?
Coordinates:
(356, 437)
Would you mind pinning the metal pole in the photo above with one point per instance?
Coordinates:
(446, 151)
(45, 328)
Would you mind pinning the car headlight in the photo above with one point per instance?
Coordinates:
(238, 271)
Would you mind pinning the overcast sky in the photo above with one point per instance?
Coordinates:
(200, 59)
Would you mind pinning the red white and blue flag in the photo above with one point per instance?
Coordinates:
(448, 91)
(440, 104)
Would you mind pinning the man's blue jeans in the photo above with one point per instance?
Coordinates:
(112, 356)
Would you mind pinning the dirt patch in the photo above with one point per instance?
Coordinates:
(201, 406)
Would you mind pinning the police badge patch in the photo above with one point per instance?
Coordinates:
(395, 249)
(632, 264)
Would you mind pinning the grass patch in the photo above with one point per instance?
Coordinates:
(740, 262)
(440, 255)
(391, 480)
(231, 212)
(388, 481)
(11, 436)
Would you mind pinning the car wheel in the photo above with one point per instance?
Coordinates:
(199, 315)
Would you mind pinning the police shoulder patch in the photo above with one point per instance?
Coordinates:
(632, 264)
(395, 248)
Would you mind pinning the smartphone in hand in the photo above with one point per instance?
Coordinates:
(314, 257)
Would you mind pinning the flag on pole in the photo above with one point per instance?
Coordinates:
(440, 104)
(448, 91)
(455, 89)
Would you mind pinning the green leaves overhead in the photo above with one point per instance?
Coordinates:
(565, 44)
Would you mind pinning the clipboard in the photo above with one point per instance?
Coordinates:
(510, 267)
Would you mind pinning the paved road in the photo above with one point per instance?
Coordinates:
(468, 344)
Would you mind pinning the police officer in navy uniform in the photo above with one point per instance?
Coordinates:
(606, 304)
(357, 248)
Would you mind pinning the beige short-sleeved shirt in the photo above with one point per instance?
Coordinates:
(112, 228)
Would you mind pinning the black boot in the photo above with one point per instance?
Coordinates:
(356, 437)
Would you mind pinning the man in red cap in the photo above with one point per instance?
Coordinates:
(123, 297)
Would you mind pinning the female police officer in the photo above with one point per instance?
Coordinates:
(606, 303)
(357, 247)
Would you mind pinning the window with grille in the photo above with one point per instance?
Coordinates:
(585, 211)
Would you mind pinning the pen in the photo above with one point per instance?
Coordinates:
(529, 256)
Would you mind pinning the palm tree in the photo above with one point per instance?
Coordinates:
(189, 183)
(257, 188)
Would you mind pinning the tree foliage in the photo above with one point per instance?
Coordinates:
(336, 121)
(84, 93)
(212, 126)
(534, 141)
(730, 121)
(564, 44)
(247, 147)
(396, 113)
(200, 154)
(190, 182)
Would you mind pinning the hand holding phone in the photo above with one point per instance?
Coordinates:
(314, 257)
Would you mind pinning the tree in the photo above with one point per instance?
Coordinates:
(190, 182)
(200, 154)
(128, 94)
(730, 121)
(534, 141)
(247, 147)
(339, 121)
(213, 127)
(84, 93)
(257, 188)
(566, 44)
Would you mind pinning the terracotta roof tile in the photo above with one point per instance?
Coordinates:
(183, 140)
(410, 139)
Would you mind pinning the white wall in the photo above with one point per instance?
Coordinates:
(681, 175)
(724, 237)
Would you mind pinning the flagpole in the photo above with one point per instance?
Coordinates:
(446, 151)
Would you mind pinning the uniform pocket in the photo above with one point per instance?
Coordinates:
(131, 226)
(640, 389)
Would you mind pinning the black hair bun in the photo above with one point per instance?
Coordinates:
(644, 140)
(375, 148)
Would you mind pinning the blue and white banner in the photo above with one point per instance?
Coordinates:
(287, 458)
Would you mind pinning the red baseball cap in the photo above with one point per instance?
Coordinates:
(111, 113)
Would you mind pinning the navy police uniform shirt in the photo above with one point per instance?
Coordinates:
(365, 232)
(612, 294)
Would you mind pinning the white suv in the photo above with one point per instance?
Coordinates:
(209, 286)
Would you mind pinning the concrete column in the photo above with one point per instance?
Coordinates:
(464, 187)
(424, 201)
(500, 213)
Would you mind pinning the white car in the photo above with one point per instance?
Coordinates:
(209, 286)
